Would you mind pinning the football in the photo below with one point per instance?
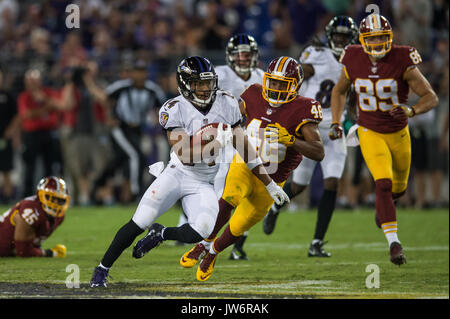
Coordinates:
(206, 133)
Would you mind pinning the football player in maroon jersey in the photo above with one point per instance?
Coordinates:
(382, 74)
(25, 226)
(284, 127)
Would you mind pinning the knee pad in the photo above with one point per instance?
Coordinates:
(144, 216)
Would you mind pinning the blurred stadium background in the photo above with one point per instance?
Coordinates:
(113, 34)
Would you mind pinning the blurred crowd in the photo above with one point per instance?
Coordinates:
(40, 55)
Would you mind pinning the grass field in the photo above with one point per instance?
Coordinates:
(278, 265)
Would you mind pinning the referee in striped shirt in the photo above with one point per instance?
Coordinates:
(130, 101)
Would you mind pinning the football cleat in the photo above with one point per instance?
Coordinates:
(191, 258)
(238, 254)
(270, 221)
(397, 255)
(152, 240)
(99, 277)
(206, 267)
(316, 250)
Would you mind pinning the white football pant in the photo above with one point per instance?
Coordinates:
(197, 195)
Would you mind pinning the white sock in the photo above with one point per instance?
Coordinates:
(101, 266)
(211, 250)
(207, 244)
(390, 231)
(391, 238)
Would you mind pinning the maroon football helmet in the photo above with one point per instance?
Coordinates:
(372, 27)
(282, 80)
(54, 196)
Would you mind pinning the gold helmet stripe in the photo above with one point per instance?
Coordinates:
(281, 64)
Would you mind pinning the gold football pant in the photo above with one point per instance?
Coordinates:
(387, 155)
(244, 191)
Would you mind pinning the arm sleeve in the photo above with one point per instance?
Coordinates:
(312, 55)
(311, 115)
(345, 60)
(236, 114)
(169, 117)
(411, 58)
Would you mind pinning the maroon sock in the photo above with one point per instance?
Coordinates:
(384, 204)
(222, 218)
(225, 240)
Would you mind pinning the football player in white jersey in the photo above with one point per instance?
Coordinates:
(322, 70)
(190, 173)
(241, 71)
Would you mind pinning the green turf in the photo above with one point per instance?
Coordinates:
(278, 265)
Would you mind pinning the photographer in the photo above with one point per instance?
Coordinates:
(39, 109)
(82, 131)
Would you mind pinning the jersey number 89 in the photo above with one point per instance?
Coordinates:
(381, 95)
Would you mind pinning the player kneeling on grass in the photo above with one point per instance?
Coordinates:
(24, 227)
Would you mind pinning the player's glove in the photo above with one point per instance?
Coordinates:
(401, 112)
(278, 134)
(59, 251)
(224, 136)
(277, 193)
(336, 131)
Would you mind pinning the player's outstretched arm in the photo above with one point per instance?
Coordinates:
(338, 100)
(420, 85)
